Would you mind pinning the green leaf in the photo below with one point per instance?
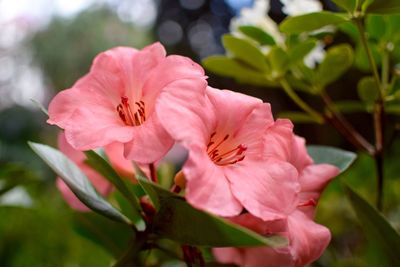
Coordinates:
(257, 34)
(384, 7)
(245, 51)
(299, 51)
(377, 229)
(311, 21)
(229, 67)
(77, 182)
(297, 117)
(367, 89)
(337, 61)
(179, 221)
(334, 156)
(348, 5)
(350, 106)
(102, 166)
(279, 61)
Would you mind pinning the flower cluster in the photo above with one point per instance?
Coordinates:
(242, 164)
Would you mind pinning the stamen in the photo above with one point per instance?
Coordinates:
(228, 157)
(310, 202)
(128, 115)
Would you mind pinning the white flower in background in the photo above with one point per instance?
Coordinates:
(257, 16)
(300, 7)
(315, 56)
(17, 197)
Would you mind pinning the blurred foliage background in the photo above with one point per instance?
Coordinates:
(46, 46)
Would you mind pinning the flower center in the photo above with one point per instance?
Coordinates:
(222, 153)
(131, 116)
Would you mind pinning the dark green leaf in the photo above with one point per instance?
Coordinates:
(367, 89)
(77, 182)
(257, 34)
(229, 67)
(384, 7)
(179, 221)
(98, 229)
(334, 156)
(337, 61)
(348, 5)
(377, 229)
(102, 166)
(311, 21)
(245, 51)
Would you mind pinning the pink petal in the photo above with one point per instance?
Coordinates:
(76, 156)
(185, 112)
(299, 156)
(308, 240)
(171, 69)
(260, 226)
(207, 187)
(115, 153)
(233, 108)
(278, 140)
(313, 179)
(254, 257)
(150, 142)
(95, 127)
(252, 129)
(266, 189)
(230, 255)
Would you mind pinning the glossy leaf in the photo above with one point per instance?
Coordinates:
(246, 52)
(337, 61)
(384, 7)
(311, 21)
(367, 89)
(348, 5)
(77, 182)
(331, 155)
(102, 166)
(257, 35)
(377, 229)
(229, 67)
(179, 221)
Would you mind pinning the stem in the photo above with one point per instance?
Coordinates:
(303, 105)
(379, 152)
(153, 173)
(344, 127)
(385, 70)
(379, 113)
(371, 60)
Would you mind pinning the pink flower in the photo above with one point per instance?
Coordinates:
(99, 182)
(230, 166)
(307, 239)
(116, 101)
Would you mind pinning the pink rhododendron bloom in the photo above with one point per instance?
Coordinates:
(116, 101)
(307, 239)
(230, 166)
(99, 182)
